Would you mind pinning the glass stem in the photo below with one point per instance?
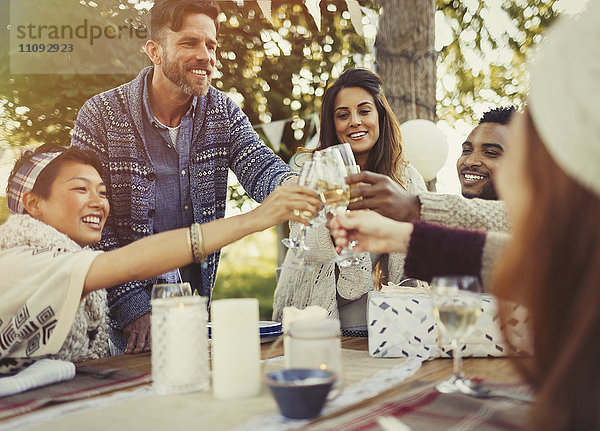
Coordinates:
(458, 371)
(301, 241)
(347, 249)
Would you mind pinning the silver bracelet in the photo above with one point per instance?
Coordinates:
(196, 240)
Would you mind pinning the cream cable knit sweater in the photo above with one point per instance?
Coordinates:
(318, 287)
(459, 212)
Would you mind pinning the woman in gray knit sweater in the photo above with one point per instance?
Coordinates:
(355, 111)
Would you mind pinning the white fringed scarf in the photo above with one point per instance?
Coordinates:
(88, 337)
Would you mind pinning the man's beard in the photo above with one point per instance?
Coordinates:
(487, 193)
(177, 75)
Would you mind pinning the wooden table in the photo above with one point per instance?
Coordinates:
(498, 370)
(493, 369)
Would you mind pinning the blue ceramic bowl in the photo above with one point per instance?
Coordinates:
(300, 394)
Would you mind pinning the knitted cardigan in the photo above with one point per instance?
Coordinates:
(111, 125)
(318, 286)
(88, 337)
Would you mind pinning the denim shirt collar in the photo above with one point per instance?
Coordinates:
(146, 101)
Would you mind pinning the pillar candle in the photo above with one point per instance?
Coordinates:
(235, 348)
(179, 345)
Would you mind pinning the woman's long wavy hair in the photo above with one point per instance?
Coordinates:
(553, 267)
(386, 156)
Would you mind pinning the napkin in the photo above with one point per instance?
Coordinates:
(40, 373)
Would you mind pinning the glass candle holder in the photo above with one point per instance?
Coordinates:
(179, 345)
(315, 344)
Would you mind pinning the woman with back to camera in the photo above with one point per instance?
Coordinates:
(355, 111)
(51, 298)
(550, 181)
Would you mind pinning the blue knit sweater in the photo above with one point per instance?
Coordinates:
(111, 125)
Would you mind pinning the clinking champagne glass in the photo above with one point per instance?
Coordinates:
(456, 305)
(345, 151)
(335, 193)
(307, 178)
(349, 161)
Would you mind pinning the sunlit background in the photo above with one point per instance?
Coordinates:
(481, 64)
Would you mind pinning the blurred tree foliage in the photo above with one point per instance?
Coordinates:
(280, 70)
(42, 107)
(485, 59)
(275, 71)
(3, 209)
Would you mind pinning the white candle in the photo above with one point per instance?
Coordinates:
(235, 348)
(179, 325)
(179, 345)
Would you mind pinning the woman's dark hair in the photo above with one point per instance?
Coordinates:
(552, 266)
(170, 13)
(43, 183)
(386, 155)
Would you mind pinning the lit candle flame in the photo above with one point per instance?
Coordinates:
(323, 366)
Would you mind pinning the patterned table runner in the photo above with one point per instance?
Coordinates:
(88, 382)
(425, 408)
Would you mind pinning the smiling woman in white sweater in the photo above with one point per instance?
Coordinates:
(51, 297)
(354, 110)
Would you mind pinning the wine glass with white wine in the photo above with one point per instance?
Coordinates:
(335, 193)
(347, 154)
(308, 178)
(456, 305)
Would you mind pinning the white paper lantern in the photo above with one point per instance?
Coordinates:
(425, 147)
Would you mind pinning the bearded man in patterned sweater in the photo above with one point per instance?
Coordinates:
(166, 141)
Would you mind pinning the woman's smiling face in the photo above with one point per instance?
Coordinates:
(77, 205)
(356, 120)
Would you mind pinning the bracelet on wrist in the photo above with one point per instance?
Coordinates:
(196, 243)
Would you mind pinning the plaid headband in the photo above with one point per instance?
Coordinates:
(25, 178)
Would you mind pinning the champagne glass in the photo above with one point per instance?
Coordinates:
(456, 305)
(351, 166)
(345, 151)
(307, 178)
(335, 193)
(168, 290)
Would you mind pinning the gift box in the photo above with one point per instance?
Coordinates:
(401, 324)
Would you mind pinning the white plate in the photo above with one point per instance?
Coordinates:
(267, 329)
(267, 338)
(269, 326)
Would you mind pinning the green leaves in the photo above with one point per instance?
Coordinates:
(486, 58)
(279, 71)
